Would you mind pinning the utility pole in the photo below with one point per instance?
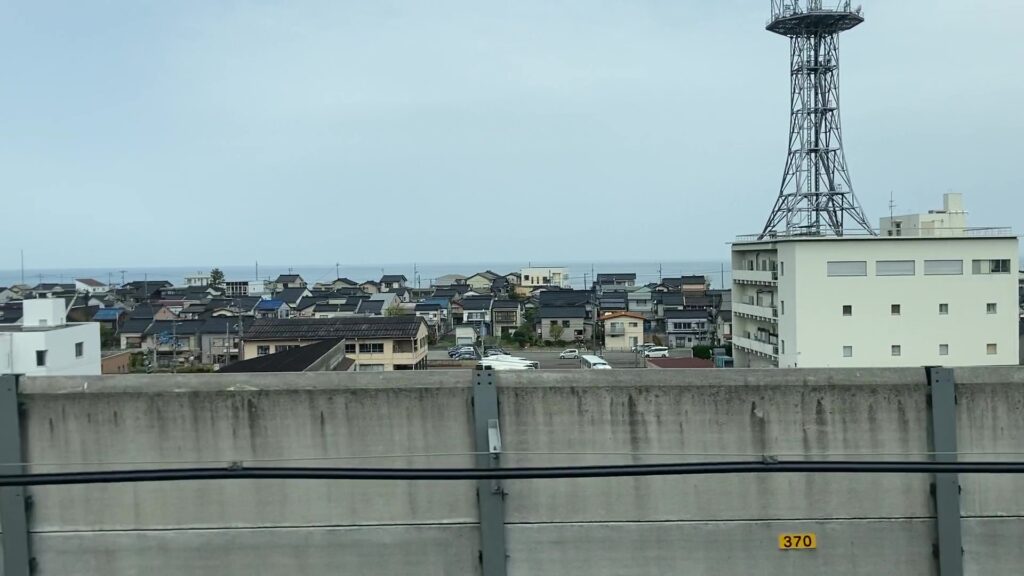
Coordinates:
(23, 267)
(723, 275)
(122, 277)
(337, 270)
(660, 277)
(174, 346)
(891, 206)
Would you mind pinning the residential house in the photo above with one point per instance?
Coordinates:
(324, 356)
(50, 289)
(341, 283)
(392, 282)
(506, 317)
(375, 344)
(431, 314)
(45, 343)
(333, 309)
(698, 302)
(174, 341)
(613, 301)
(6, 295)
(448, 280)
(481, 281)
(564, 324)
(513, 279)
(132, 331)
(370, 287)
(614, 281)
(694, 284)
(286, 281)
(272, 309)
(561, 298)
(89, 285)
(112, 318)
(622, 330)
(292, 296)
(235, 288)
(687, 328)
(533, 277)
(500, 287)
(723, 327)
(141, 290)
(219, 339)
(477, 313)
(371, 307)
(640, 300)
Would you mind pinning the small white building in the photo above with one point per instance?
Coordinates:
(544, 276)
(623, 330)
(465, 335)
(45, 344)
(876, 301)
(951, 220)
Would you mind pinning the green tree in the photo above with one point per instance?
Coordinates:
(702, 352)
(107, 337)
(393, 310)
(216, 278)
(556, 331)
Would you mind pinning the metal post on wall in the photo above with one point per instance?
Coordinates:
(13, 511)
(946, 487)
(490, 493)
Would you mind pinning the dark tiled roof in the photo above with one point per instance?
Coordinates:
(726, 316)
(144, 310)
(686, 315)
(562, 312)
(135, 325)
(344, 327)
(671, 299)
(183, 327)
(53, 287)
(218, 325)
(393, 278)
(477, 303)
(427, 307)
(506, 305)
(294, 360)
(290, 296)
(288, 278)
(691, 280)
(326, 307)
(89, 282)
(565, 297)
(704, 301)
(370, 307)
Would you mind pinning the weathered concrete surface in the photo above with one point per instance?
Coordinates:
(866, 524)
(223, 419)
(715, 415)
(371, 550)
(847, 547)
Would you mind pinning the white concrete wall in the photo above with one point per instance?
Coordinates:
(814, 329)
(18, 355)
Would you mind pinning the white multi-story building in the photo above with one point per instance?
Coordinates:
(859, 301)
(45, 344)
(534, 277)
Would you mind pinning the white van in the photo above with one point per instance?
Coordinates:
(656, 352)
(594, 363)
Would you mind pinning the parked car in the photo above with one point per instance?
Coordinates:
(642, 347)
(656, 352)
(468, 355)
(495, 352)
(453, 352)
(570, 354)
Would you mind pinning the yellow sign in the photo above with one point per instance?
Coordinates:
(807, 541)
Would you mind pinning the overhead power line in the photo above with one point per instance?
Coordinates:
(237, 472)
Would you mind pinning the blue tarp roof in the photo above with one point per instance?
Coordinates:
(107, 314)
(270, 304)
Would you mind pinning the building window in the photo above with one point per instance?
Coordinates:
(847, 310)
(782, 346)
(677, 325)
(782, 305)
(991, 349)
(285, 347)
(943, 267)
(894, 268)
(895, 350)
(943, 349)
(371, 348)
(894, 309)
(990, 308)
(350, 348)
(847, 268)
(565, 323)
(990, 266)
(782, 268)
(633, 324)
(847, 351)
(262, 350)
(79, 349)
(943, 309)
(40, 357)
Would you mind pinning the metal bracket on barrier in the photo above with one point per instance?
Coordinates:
(13, 503)
(946, 489)
(490, 493)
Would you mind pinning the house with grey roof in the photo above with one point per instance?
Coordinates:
(564, 324)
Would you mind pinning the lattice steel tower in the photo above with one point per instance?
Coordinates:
(816, 197)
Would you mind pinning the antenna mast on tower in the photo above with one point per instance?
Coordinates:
(816, 196)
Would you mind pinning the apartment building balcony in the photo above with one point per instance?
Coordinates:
(762, 277)
(758, 347)
(765, 313)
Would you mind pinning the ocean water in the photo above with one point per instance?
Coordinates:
(581, 273)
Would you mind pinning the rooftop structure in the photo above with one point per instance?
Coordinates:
(816, 194)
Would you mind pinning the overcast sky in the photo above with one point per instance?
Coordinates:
(175, 133)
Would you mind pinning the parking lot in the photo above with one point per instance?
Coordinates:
(548, 358)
